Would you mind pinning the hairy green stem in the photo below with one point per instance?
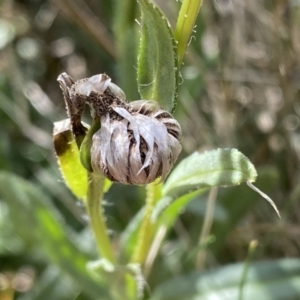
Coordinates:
(185, 24)
(147, 228)
(97, 220)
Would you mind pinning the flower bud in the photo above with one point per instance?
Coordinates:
(136, 144)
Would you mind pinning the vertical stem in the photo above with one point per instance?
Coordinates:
(209, 215)
(147, 228)
(251, 250)
(97, 220)
(185, 24)
(152, 253)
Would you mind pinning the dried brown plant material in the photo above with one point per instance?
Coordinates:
(137, 142)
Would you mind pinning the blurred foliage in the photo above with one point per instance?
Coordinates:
(239, 87)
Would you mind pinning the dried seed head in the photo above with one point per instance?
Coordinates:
(137, 141)
(136, 144)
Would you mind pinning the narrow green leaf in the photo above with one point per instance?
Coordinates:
(185, 25)
(174, 209)
(157, 60)
(74, 174)
(221, 167)
(36, 215)
(271, 280)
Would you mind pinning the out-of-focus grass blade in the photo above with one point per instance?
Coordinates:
(272, 280)
(129, 236)
(52, 284)
(126, 42)
(10, 243)
(157, 60)
(32, 210)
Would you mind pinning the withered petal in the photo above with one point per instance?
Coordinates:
(135, 162)
(97, 83)
(120, 149)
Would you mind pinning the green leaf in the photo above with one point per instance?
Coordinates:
(35, 214)
(174, 209)
(231, 210)
(107, 185)
(185, 25)
(272, 280)
(74, 174)
(157, 60)
(199, 171)
(221, 167)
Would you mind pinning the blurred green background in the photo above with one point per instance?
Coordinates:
(239, 88)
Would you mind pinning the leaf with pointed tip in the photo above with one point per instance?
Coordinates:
(221, 167)
(157, 60)
(235, 211)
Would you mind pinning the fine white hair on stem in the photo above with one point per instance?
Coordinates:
(264, 196)
(191, 38)
(147, 84)
(137, 21)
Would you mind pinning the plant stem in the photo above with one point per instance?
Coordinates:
(185, 24)
(208, 219)
(251, 250)
(147, 228)
(97, 220)
(159, 237)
